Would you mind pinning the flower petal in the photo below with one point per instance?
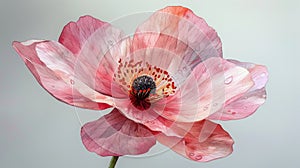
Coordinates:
(97, 46)
(153, 120)
(115, 135)
(51, 79)
(259, 73)
(167, 127)
(99, 56)
(75, 34)
(199, 144)
(148, 118)
(178, 30)
(165, 60)
(211, 84)
(249, 102)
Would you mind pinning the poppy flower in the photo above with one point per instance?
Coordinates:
(165, 83)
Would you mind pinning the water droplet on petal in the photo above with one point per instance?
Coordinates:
(263, 74)
(191, 154)
(205, 108)
(233, 113)
(264, 96)
(228, 80)
(198, 157)
(72, 81)
(110, 42)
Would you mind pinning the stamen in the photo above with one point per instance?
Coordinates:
(145, 84)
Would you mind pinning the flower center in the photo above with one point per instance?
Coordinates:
(144, 83)
(141, 88)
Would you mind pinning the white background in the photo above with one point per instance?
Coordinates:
(37, 131)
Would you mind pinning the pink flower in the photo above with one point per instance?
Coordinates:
(164, 84)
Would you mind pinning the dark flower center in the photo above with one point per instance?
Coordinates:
(141, 88)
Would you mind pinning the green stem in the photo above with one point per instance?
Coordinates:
(113, 161)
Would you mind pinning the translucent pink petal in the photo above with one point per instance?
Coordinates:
(99, 56)
(169, 128)
(115, 135)
(179, 31)
(130, 111)
(148, 117)
(151, 119)
(163, 59)
(97, 46)
(199, 144)
(259, 73)
(56, 78)
(75, 34)
(247, 103)
(211, 84)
